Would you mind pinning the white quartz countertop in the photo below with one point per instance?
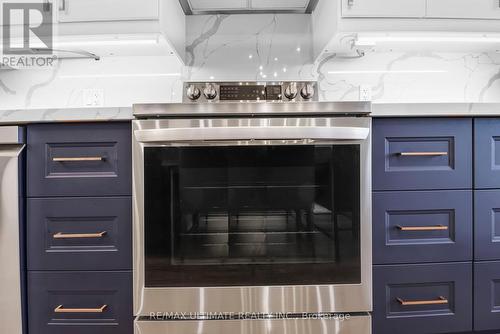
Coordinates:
(435, 109)
(64, 115)
(125, 113)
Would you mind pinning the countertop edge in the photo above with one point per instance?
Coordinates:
(435, 109)
(25, 116)
(50, 115)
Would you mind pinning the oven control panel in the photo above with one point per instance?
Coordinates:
(246, 92)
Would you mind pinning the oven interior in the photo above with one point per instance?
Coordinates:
(252, 215)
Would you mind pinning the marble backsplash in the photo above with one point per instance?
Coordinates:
(263, 47)
(124, 80)
(278, 47)
(406, 77)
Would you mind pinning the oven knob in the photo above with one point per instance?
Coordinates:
(210, 92)
(193, 93)
(307, 91)
(291, 91)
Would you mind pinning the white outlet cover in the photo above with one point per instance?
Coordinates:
(93, 97)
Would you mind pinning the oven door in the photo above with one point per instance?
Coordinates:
(260, 215)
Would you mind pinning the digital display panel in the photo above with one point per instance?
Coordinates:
(249, 92)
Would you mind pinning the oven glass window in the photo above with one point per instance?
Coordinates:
(252, 215)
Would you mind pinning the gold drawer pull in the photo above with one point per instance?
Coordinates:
(439, 301)
(423, 228)
(422, 154)
(61, 235)
(61, 309)
(77, 159)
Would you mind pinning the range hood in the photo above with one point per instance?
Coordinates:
(196, 7)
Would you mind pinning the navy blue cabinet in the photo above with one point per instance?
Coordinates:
(422, 226)
(93, 233)
(79, 159)
(80, 302)
(487, 153)
(422, 154)
(79, 217)
(422, 298)
(486, 295)
(487, 224)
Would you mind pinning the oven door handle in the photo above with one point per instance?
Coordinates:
(251, 133)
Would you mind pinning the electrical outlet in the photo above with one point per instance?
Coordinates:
(93, 97)
(365, 93)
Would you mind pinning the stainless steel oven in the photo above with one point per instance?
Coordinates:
(252, 217)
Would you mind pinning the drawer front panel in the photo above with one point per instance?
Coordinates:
(487, 153)
(79, 159)
(486, 296)
(80, 234)
(422, 226)
(422, 298)
(421, 154)
(80, 302)
(487, 225)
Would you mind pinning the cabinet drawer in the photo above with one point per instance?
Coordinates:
(487, 225)
(422, 226)
(422, 298)
(80, 233)
(486, 296)
(79, 159)
(487, 153)
(422, 154)
(80, 302)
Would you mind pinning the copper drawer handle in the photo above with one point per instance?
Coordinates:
(61, 235)
(423, 228)
(61, 309)
(439, 301)
(77, 159)
(422, 154)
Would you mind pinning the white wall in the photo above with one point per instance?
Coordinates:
(173, 25)
(324, 23)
